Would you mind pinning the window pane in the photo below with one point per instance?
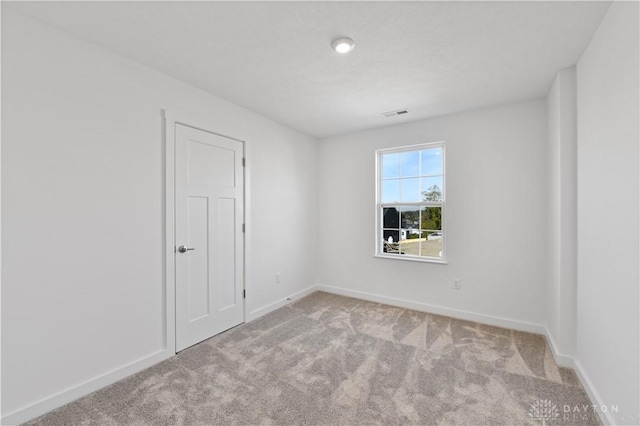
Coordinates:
(390, 241)
(390, 218)
(432, 189)
(410, 189)
(431, 162)
(410, 163)
(431, 246)
(410, 220)
(431, 219)
(390, 165)
(410, 247)
(390, 191)
(391, 233)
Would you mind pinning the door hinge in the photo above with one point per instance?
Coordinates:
(244, 294)
(243, 228)
(244, 162)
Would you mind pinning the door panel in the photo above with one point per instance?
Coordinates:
(197, 261)
(209, 217)
(211, 165)
(226, 253)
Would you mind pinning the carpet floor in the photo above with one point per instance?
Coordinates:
(333, 360)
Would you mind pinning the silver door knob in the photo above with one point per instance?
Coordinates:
(183, 248)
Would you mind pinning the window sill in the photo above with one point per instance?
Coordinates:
(411, 258)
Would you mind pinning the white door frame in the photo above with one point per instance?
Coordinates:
(170, 121)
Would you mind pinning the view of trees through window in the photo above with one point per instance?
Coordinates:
(411, 201)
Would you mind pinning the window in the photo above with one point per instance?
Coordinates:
(410, 202)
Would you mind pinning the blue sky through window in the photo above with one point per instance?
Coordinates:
(410, 162)
(407, 175)
(431, 162)
(391, 165)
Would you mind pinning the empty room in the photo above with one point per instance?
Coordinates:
(323, 213)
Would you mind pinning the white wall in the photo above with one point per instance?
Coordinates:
(608, 192)
(82, 212)
(82, 197)
(496, 216)
(562, 215)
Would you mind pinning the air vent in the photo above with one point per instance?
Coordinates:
(396, 112)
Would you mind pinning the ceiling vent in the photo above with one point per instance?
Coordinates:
(396, 112)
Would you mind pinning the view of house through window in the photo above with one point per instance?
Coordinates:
(411, 202)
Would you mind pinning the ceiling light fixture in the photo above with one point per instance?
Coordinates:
(343, 45)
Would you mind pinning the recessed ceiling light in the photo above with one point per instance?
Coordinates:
(343, 45)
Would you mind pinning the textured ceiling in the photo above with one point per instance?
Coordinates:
(275, 58)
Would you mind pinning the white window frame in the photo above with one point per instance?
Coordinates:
(379, 205)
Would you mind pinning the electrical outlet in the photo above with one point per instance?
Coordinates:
(277, 277)
(456, 284)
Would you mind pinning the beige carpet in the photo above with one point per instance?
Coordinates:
(328, 359)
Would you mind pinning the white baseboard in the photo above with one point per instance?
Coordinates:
(279, 303)
(47, 404)
(594, 396)
(571, 362)
(561, 360)
(438, 310)
(587, 384)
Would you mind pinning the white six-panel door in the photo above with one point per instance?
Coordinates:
(209, 265)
